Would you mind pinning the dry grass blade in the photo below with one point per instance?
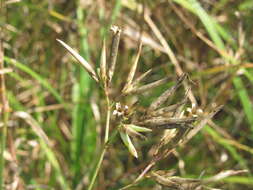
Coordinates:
(5, 70)
(103, 74)
(168, 109)
(180, 183)
(176, 183)
(169, 52)
(114, 50)
(132, 71)
(35, 127)
(80, 59)
(46, 146)
(191, 134)
(195, 31)
(155, 121)
(161, 99)
(140, 78)
(202, 123)
(225, 174)
(135, 35)
(147, 87)
(12, 1)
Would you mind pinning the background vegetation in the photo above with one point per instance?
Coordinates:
(57, 113)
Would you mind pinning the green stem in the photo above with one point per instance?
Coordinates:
(3, 144)
(101, 158)
(3, 99)
(108, 115)
(93, 179)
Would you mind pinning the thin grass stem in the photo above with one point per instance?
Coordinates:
(4, 110)
(101, 158)
(108, 116)
(98, 166)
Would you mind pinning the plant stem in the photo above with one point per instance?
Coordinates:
(101, 158)
(5, 108)
(108, 115)
(3, 144)
(93, 179)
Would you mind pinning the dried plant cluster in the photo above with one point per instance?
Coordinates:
(178, 122)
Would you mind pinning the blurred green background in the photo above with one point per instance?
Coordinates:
(212, 42)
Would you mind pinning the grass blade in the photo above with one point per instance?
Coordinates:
(210, 25)
(80, 59)
(128, 143)
(36, 76)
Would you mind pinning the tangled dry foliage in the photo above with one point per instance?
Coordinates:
(160, 110)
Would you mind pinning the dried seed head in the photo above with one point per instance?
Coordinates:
(120, 110)
(194, 111)
(114, 50)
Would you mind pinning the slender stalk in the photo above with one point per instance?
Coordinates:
(101, 158)
(5, 108)
(108, 116)
(3, 144)
(93, 179)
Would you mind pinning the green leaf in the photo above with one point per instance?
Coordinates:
(127, 141)
(138, 129)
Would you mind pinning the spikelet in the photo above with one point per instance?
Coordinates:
(80, 59)
(114, 50)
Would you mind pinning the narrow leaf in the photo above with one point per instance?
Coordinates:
(80, 59)
(161, 99)
(133, 69)
(103, 64)
(155, 121)
(114, 50)
(128, 143)
(140, 78)
(146, 87)
(138, 128)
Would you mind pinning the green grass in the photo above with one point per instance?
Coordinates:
(36, 76)
(212, 30)
(44, 75)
